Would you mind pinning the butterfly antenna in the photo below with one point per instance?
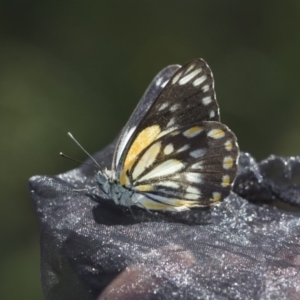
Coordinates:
(71, 158)
(72, 137)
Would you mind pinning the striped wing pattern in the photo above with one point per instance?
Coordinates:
(192, 166)
(187, 98)
(177, 155)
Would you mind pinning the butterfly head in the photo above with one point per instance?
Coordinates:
(105, 178)
(113, 189)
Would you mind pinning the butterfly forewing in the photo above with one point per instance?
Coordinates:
(187, 98)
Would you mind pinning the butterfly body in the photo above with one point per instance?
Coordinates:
(112, 187)
(174, 154)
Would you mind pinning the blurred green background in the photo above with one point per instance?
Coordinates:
(82, 67)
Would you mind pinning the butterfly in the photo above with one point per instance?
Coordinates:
(174, 154)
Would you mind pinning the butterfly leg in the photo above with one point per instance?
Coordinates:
(143, 206)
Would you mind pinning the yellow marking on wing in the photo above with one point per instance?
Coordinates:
(174, 205)
(225, 181)
(185, 203)
(144, 139)
(216, 133)
(156, 206)
(228, 145)
(174, 132)
(146, 160)
(216, 197)
(124, 180)
(144, 188)
(193, 131)
(227, 162)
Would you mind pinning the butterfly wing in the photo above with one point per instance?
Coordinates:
(188, 97)
(192, 166)
(180, 155)
(151, 94)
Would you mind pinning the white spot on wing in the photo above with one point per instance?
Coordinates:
(164, 83)
(169, 184)
(198, 153)
(189, 77)
(191, 196)
(171, 122)
(185, 147)
(176, 77)
(166, 168)
(212, 114)
(199, 80)
(192, 190)
(205, 88)
(191, 67)
(146, 160)
(193, 177)
(158, 82)
(168, 149)
(197, 165)
(174, 107)
(206, 100)
(163, 106)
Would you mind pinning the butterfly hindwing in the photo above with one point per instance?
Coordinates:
(189, 167)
